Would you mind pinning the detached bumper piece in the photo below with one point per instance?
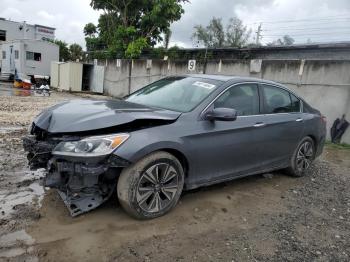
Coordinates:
(82, 186)
(39, 152)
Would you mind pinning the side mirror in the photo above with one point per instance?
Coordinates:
(221, 114)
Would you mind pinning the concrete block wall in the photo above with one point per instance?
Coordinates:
(325, 84)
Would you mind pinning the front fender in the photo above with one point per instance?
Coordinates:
(144, 142)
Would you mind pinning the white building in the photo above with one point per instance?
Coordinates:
(27, 57)
(11, 30)
(24, 49)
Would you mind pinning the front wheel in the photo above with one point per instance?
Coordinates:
(302, 157)
(151, 187)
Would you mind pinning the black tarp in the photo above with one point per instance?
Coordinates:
(338, 129)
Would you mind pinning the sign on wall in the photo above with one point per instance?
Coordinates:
(255, 65)
(191, 65)
(119, 62)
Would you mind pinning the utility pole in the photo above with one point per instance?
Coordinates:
(258, 34)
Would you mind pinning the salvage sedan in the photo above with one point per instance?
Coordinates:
(176, 134)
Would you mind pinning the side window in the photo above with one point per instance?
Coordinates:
(3, 54)
(244, 98)
(295, 103)
(276, 100)
(16, 54)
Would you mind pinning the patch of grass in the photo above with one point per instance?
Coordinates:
(337, 146)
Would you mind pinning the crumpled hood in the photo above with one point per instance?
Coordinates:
(88, 115)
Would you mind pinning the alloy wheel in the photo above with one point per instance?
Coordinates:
(157, 187)
(305, 156)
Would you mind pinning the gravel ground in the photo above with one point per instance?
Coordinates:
(269, 217)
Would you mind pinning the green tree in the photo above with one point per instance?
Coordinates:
(90, 30)
(129, 26)
(286, 40)
(63, 50)
(237, 34)
(76, 52)
(214, 35)
(167, 36)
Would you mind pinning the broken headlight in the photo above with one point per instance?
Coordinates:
(91, 146)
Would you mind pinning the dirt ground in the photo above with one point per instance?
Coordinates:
(269, 217)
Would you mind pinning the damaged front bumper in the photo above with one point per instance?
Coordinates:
(82, 183)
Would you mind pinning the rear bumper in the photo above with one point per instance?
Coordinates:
(320, 146)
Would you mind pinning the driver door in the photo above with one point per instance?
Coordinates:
(230, 148)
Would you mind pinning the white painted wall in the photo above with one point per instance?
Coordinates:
(28, 31)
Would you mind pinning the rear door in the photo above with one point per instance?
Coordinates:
(282, 125)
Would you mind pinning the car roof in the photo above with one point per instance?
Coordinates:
(233, 79)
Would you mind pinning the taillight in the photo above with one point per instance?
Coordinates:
(324, 119)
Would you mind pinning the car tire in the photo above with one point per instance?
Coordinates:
(152, 186)
(302, 157)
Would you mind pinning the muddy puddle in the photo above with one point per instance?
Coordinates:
(9, 129)
(8, 90)
(16, 244)
(28, 190)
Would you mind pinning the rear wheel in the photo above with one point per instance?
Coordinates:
(152, 186)
(302, 157)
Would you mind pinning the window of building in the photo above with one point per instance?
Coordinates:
(16, 54)
(37, 56)
(243, 98)
(29, 55)
(3, 54)
(33, 56)
(2, 35)
(277, 100)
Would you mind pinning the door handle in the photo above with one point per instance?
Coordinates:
(259, 125)
(299, 120)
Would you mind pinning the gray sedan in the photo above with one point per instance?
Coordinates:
(176, 134)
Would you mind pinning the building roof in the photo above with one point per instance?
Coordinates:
(48, 27)
(35, 25)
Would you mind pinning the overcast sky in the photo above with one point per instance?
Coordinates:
(318, 20)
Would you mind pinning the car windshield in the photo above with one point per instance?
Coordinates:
(181, 94)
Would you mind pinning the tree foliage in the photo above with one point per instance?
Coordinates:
(212, 35)
(237, 34)
(215, 35)
(286, 40)
(64, 54)
(76, 52)
(90, 30)
(167, 36)
(128, 26)
(68, 52)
